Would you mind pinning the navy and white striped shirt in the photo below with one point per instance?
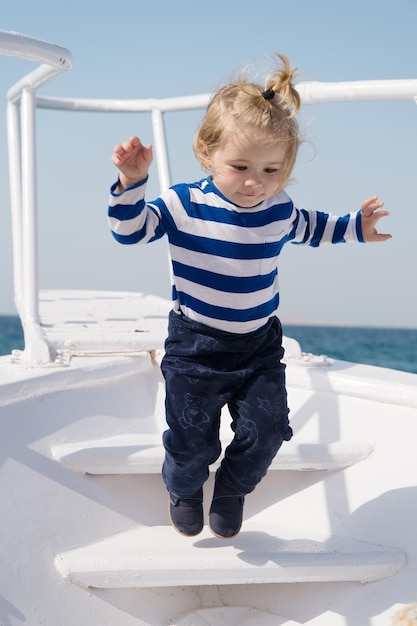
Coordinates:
(224, 257)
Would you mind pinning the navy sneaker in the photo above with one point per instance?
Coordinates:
(186, 514)
(226, 511)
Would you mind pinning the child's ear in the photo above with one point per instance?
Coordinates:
(205, 156)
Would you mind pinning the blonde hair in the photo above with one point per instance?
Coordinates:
(407, 616)
(268, 110)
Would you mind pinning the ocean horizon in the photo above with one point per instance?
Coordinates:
(395, 348)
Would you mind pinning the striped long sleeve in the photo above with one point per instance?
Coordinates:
(224, 257)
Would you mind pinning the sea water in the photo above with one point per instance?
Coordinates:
(395, 348)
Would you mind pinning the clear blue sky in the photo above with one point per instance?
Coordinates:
(136, 49)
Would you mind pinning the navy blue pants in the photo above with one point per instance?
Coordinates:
(206, 369)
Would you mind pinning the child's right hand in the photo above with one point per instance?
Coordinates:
(133, 161)
(370, 215)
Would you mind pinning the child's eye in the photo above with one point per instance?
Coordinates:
(270, 170)
(240, 168)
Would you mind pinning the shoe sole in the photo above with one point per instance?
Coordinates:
(222, 536)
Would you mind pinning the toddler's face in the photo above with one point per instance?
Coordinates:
(247, 170)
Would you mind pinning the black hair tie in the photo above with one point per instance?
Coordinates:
(268, 94)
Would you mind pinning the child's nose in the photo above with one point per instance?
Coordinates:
(253, 181)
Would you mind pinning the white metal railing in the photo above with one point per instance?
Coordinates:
(53, 60)
(21, 133)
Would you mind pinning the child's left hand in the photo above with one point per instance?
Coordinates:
(369, 217)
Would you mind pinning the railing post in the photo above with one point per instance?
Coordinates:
(15, 175)
(29, 207)
(163, 164)
(161, 149)
(36, 347)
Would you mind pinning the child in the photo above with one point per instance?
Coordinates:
(224, 340)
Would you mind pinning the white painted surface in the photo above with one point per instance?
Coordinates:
(232, 616)
(157, 557)
(144, 454)
(103, 407)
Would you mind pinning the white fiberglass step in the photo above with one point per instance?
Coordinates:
(159, 557)
(143, 454)
(103, 321)
(232, 616)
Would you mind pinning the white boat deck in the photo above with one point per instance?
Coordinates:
(144, 453)
(157, 556)
(106, 321)
(232, 616)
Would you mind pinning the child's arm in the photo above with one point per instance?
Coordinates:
(133, 161)
(369, 217)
